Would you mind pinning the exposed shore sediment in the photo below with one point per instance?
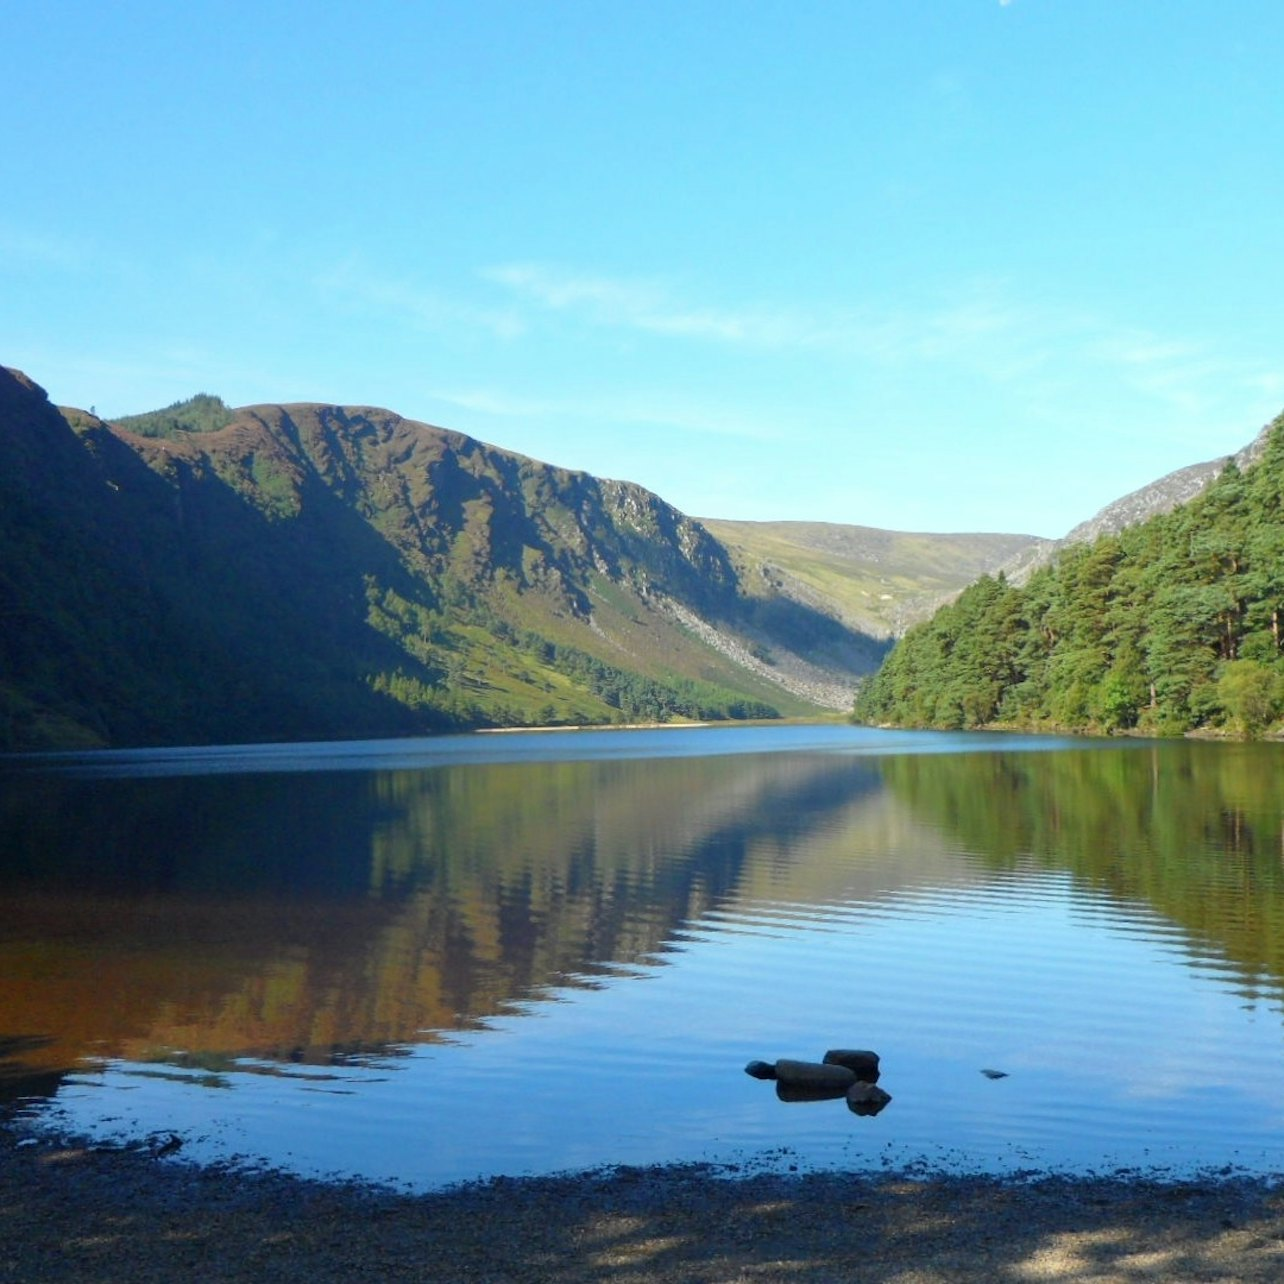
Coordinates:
(69, 1212)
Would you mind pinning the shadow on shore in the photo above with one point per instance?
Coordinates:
(69, 1213)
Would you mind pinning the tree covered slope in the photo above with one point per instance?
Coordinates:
(1166, 626)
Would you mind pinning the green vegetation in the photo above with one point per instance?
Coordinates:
(480, 670)
(635, 698)
(201, 413)
(1170, 626)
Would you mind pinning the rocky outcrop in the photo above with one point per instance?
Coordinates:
(1161, 496)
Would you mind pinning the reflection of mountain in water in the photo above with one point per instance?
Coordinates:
(323, 916)
(318, 916)
(1193, 831)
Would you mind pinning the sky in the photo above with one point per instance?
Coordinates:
(941, 265)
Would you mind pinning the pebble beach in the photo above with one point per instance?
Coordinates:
(70, 1211)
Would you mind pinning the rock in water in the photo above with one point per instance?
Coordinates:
(863, 1064)
(761, 1070)
(866, 1098)
(814, 1074)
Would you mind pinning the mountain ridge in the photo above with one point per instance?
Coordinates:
(1151, 500)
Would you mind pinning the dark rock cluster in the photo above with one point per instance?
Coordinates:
(844, 1072)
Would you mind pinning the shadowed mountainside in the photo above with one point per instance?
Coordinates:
(286, 572)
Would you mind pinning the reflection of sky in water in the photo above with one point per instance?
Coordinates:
(1117, 1053)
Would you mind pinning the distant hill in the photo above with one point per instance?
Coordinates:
(318, 571)
(878, 582)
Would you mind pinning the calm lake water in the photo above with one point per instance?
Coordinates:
(421, 962)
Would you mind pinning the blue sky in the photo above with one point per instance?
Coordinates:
(946, 265)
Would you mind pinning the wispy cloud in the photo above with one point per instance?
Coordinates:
(984, 329)
(622, 408)
(653, 307)
(1188, 375)
(1037, 354)
(430, 308)
(979, 316)
(1048, 352)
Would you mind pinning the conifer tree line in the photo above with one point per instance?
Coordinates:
(1169, 626)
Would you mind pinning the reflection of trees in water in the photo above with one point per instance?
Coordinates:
(1193, 830)
(306, 917)
(235, 834)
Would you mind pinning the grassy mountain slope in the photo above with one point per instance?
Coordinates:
(130, 616)
(878, 582)
(315, 570)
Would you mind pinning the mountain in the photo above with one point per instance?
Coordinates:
(875, 581)
(205, 574)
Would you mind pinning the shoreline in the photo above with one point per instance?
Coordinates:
(74, 1212)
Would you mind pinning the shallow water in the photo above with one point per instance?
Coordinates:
(428, 961)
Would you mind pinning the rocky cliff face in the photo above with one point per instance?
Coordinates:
(1160, 496)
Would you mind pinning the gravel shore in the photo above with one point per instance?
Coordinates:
(69, 1212)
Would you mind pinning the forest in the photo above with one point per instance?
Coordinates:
(1170, 626)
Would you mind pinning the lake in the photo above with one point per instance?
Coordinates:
(421, 962)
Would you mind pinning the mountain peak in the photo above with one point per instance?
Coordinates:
(23, 381)
(199, 414)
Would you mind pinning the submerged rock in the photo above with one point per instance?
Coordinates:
(866, 1098)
